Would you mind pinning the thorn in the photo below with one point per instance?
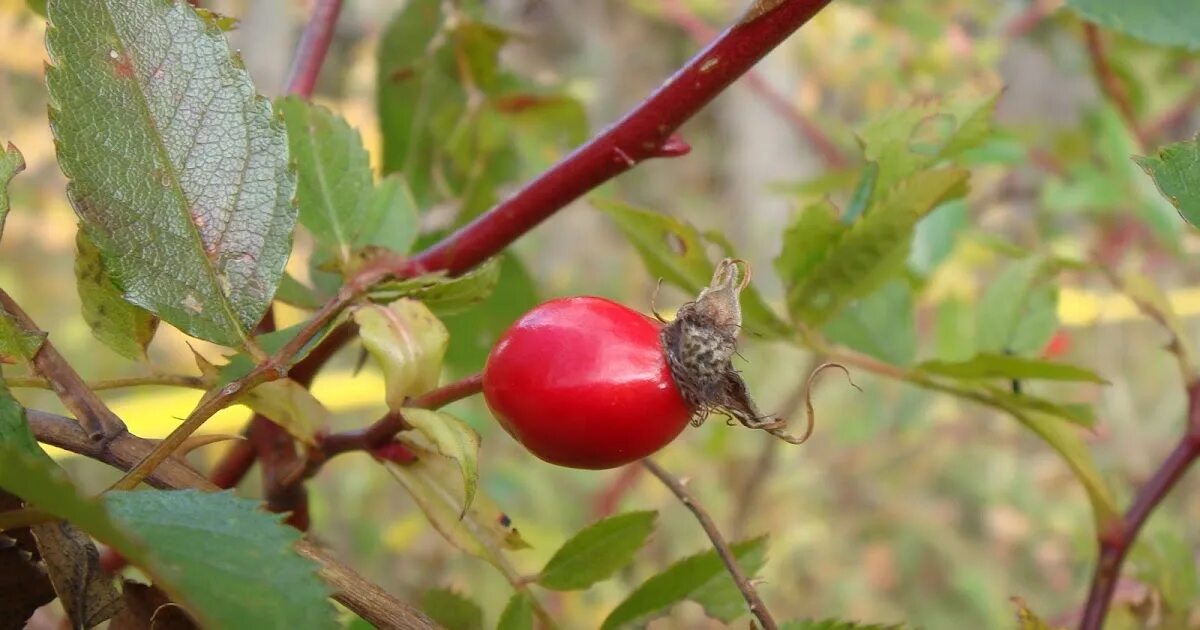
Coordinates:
(673, 146)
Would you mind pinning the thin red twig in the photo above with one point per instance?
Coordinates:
(1116, 542)
(1173, 117)
(1110, 84)
(313, 46)
(701, 32)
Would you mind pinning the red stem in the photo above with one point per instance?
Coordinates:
(313, 46)
(701, 32)
(1117, 541)
(640, 135)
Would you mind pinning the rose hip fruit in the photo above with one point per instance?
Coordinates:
(583, 382)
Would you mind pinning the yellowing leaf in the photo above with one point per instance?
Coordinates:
(409, 343)
(442, 432)
(291, 406)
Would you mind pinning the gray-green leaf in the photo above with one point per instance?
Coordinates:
(178, 170)
(122, 326)
(597, 551)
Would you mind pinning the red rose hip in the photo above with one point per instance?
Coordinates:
(583, 382)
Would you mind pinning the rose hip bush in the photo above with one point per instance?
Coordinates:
(929, 256)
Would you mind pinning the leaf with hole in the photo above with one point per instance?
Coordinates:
(596, 552)
(682, 580)
(452, 610)
(11, 163)
(673, 250)
(171, 156)
(118, 324)
(441, 432)
(409, 343)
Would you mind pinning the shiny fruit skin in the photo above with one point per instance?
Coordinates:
(583, 382)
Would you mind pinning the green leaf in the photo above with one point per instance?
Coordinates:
(441, 432)
(483, 531)
(474, 332)
(226, 560)
(292, 292)
(1065, 439)
(1162, 22)
(122, 326)
(409, 343)
(936, 236)
(172, 158)
(909, 140)
(1010, 367)
(597, 552)
(1175, 169)
(443, 294)
(882, 324)
(394, 212)
(334, 181)
(518, 613)
(720, 597)
(291, 406)
(1018, 311)
(873, 250)
(225, 555)
(37, 6)
(680, 581)
(836, 624)
(807, 241)
(241, 364)
(16, 343)
(673, 250)
(451, 610)
(11, 163)
(862, 193)
(1026, 618)
(14, 429)
(1077, 413)
(955, 330)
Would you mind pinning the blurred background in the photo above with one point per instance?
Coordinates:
(905, 505)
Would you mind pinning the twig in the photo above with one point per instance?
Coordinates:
(383, 430)
(1110, 84)
(168, 380)
(1116, 541)
(812, 133)
(1027, 20)
(313, 46)
(361, 596)
(739, 577)
(91, 412)
(1173, 117)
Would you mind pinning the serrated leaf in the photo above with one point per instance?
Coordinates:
(836, 624)
(226, 560)
(171, 156)
(873, 250)
(679, 582)
(882, 324)
(596, 552)
(409, 343)
(807, 240)
(987, 365)
(1162, 22)
(291, 406)
(445, 295)
(227, 557)
(1175, 169)
(11, 163)
(334, 180)
(906, 141)
(720, 597)
(673, 250)
(452, 610)
(122, 326)
(441, 432)
(1015, 314)
(518, 613)
(85, 590)
(431, 481)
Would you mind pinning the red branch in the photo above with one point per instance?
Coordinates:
(642, 134)
(1110, 84)
(701, 32)
(313, 46)
(1116, 541)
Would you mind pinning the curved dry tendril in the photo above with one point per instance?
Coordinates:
(776, 429)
